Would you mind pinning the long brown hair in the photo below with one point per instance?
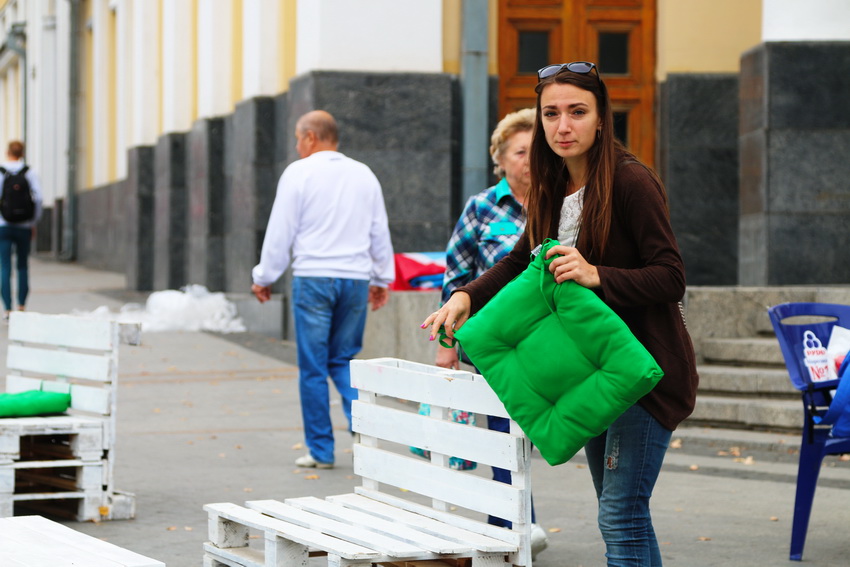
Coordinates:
(550, 177)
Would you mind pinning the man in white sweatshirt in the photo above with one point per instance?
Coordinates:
(329, 221)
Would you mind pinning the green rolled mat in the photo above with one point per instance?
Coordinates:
(33, 402)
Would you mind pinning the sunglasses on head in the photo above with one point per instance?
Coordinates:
(580, 67)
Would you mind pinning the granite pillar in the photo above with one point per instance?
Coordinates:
(251, 188)
(698, 162)
(403, 126)
(205, 221)
(170, 200)
(795, 163)
(139, 218)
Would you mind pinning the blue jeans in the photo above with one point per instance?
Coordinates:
(18, 237)
(625, 462)
(330, 316)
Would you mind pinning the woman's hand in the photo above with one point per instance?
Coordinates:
(451, 316)
(571, 265)
(447, 358)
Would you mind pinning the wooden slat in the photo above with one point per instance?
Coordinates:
(236, 556)
(511, 537)
(89, 399)
(290, 531)
(430, 525)
(449, 438)
(380, 525)
(50, 425)
(355, 534)
(48, 496)
(427, 384)
(46, 464)
(43, 543)
(470, 491)
(28, 359)
(63, 330)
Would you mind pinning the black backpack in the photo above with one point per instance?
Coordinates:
(16, 202)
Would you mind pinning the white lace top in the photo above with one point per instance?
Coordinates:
(570, 218)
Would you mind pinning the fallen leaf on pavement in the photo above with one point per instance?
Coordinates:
(676, 444)
(311, 477)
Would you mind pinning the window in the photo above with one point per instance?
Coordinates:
(614, 53)
(621, 126)
(533, 51)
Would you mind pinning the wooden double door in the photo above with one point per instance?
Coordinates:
(618, 35)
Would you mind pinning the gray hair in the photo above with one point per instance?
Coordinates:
(519, 121)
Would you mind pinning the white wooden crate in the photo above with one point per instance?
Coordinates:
(420, 522)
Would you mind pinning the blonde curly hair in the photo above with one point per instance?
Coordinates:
(519, 121)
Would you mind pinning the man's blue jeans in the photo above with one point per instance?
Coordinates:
(330, 316)
(625, 462)
(19, 237)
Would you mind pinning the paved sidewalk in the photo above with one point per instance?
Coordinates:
(209, 418)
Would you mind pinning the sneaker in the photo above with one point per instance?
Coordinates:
(539, 540)
(308, 462)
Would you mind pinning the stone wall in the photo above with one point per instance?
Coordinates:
(102, 238)
(194, 207)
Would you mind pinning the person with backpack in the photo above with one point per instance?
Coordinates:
(20, 209)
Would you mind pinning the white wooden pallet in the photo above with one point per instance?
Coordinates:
(65, 436)
(420, 522)
(33, 541)
(79, 356)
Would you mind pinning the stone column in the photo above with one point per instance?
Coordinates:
(698, 162)
(139, 218)
(795, 165)
(206, 182)
(170, 212)
(251, 189)
(402, 125)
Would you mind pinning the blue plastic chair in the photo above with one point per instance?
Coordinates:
(817, 441)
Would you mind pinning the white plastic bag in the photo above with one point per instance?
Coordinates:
(839, 345)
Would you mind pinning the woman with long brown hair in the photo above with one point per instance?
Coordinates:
(609, 213)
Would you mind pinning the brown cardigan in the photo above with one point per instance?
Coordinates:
(643, 279)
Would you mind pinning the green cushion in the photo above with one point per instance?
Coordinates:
(33, 402)
(561, 361)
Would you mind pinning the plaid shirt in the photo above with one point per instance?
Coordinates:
(488, 229)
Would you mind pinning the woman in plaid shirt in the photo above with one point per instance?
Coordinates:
(491, 223)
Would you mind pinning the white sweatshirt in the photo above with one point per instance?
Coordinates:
(329, 219)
